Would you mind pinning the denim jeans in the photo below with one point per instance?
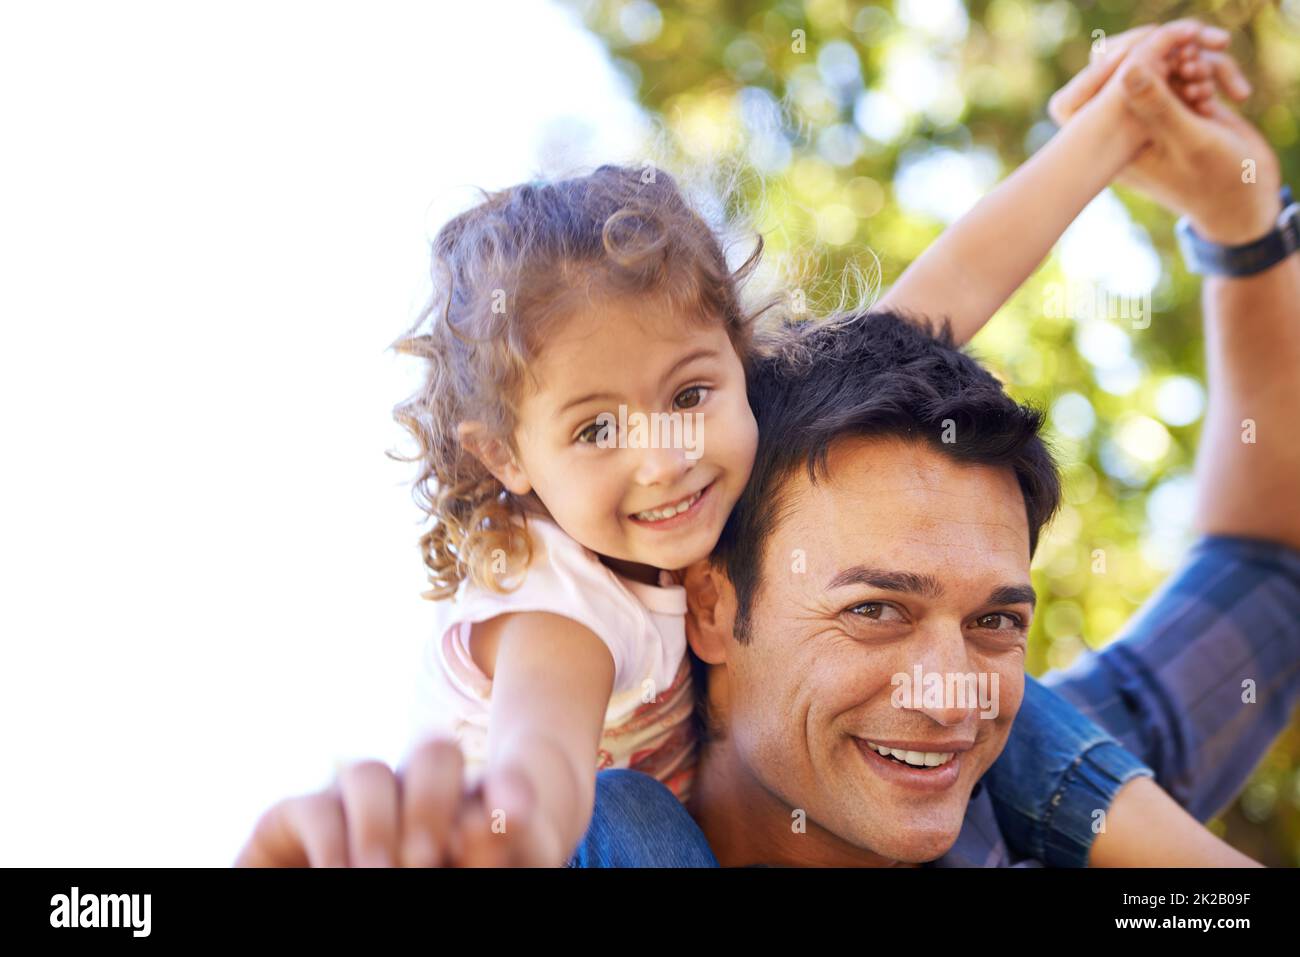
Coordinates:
(638, 822)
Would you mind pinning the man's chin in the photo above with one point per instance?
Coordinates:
(919, 845)
(909, 828)
(912, 835)
(916, 846)
(931, 848)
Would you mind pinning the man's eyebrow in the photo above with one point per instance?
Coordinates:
(684, 360)
(1014, 595)
(909, 582)
(927, 585)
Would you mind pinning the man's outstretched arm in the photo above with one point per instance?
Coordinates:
(1208, 674)
(1248, 464)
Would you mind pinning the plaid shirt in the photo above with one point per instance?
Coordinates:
(1201, 682)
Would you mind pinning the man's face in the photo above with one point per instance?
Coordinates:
(942, 582)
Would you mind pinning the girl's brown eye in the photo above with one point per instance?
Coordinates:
(593, 430)
(697, 390)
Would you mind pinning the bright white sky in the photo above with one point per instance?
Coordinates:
(213, 224)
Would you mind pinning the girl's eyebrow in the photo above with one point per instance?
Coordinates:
(587, 398)
(688, 358)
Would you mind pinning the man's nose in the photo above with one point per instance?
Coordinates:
(942, 652)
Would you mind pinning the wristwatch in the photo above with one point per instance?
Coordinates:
(1207, 258)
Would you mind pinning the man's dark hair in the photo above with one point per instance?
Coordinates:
(872, 374)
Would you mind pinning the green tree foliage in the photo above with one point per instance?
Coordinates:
(898, 114)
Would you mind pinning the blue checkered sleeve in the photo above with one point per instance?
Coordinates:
(1206, 675)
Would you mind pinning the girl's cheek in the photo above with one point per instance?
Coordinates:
(739, 422)
(749, 430)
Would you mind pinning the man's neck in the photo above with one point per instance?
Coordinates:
(747, 825)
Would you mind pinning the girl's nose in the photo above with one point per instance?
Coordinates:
(662, 466)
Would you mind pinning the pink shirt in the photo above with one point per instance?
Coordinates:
(648, 721)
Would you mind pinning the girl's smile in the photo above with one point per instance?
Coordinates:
(675, 514)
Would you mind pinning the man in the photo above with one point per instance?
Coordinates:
(935, 574)
(908, 552)
(1206, 677)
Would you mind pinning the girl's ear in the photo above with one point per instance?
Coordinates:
(495, 456)
(710, 611)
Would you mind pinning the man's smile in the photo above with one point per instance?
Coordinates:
(919, 753)
(916, 770)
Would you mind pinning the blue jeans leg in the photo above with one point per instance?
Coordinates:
(637, 822)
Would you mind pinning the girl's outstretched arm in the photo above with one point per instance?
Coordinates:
(979, 261)
(552, 679)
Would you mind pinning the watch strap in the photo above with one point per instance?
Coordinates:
(1208, 258)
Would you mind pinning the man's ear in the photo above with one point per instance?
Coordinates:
(495, 456)
(710, 611)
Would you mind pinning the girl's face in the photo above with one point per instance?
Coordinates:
(608, 486)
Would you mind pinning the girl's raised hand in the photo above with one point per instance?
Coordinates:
(1200, 72)
(1197, 68)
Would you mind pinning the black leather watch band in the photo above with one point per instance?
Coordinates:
(1207, 258)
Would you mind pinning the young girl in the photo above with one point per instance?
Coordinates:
(565, 310)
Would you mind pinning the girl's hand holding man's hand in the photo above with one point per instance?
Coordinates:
(1201, 158)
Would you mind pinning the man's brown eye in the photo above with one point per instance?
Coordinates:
(1012, 621)
(879, 611)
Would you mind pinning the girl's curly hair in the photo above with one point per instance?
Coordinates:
(505, 272)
